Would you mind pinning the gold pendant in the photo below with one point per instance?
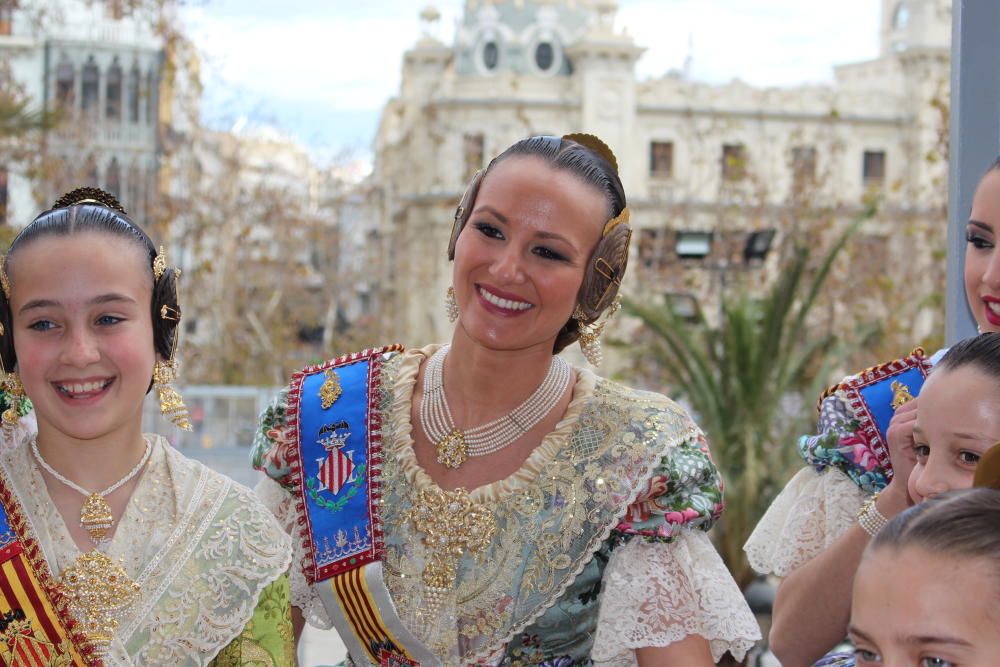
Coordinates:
(330, 391)
(452, 451)
(99, 592)
(452, 524)
(96, 517)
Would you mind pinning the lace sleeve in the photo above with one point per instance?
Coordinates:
(658, 593)
(813, 510)
(282, 505)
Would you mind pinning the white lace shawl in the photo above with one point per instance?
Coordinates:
(201, 546)
(813, 510)
(654, 594)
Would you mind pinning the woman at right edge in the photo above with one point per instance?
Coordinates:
(582, 536)
(816, 530)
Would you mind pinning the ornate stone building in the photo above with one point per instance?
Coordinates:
(720, 159)
(102, 72)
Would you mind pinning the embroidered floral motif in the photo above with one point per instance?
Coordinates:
(532, 597)
(201, 547)
(843, 446)
(547, 531)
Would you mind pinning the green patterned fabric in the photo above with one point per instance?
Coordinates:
(267, 640)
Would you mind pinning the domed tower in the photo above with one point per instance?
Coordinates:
(915, 24)
(519, 37)
(573, 43)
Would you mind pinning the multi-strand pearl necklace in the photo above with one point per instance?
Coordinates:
(454, 446)
(95, 516)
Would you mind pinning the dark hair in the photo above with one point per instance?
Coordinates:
(589, 165)
(995, 165)
(957, 523)
(93, 217)
(982, 352)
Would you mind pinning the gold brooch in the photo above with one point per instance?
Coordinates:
(330, 391)
(452, 451)
(451, 524)
(900, 394)
(100, 591)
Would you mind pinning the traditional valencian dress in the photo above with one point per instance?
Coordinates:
(846, 462)
(209, 561)
(594, 547)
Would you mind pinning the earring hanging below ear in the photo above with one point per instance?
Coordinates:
(15, 393)
(171, 404)
(451, 305)
(590, 334)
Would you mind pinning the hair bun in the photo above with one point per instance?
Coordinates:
(89, 196)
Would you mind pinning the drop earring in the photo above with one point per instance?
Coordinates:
(451, 305)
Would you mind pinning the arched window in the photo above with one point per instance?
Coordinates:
(65, 84)
(113, 179)
(544, 56)
(113, 92)
(134, 93)
(90, 80)
(491, 55)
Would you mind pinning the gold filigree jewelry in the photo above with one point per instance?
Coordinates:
(15, 392)
(451, 304)
(100, 592)
(900, 394)
(452, 450)
(3, 330)
(89, 196)
(171, 404)
(330, 391)
(451, 524)
(95, 515)
(590, 334)
(170, 313)
(160, 264)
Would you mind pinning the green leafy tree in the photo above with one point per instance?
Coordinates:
(747, 381)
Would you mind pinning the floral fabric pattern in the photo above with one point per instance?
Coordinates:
(841, 445)
(620, 465)
(267, 640)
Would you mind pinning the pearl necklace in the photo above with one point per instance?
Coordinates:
(95, 515)
(453, 445)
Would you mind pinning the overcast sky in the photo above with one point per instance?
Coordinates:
(320, 70)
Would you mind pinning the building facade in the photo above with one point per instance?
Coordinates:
(724, 160)
(100, 71)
